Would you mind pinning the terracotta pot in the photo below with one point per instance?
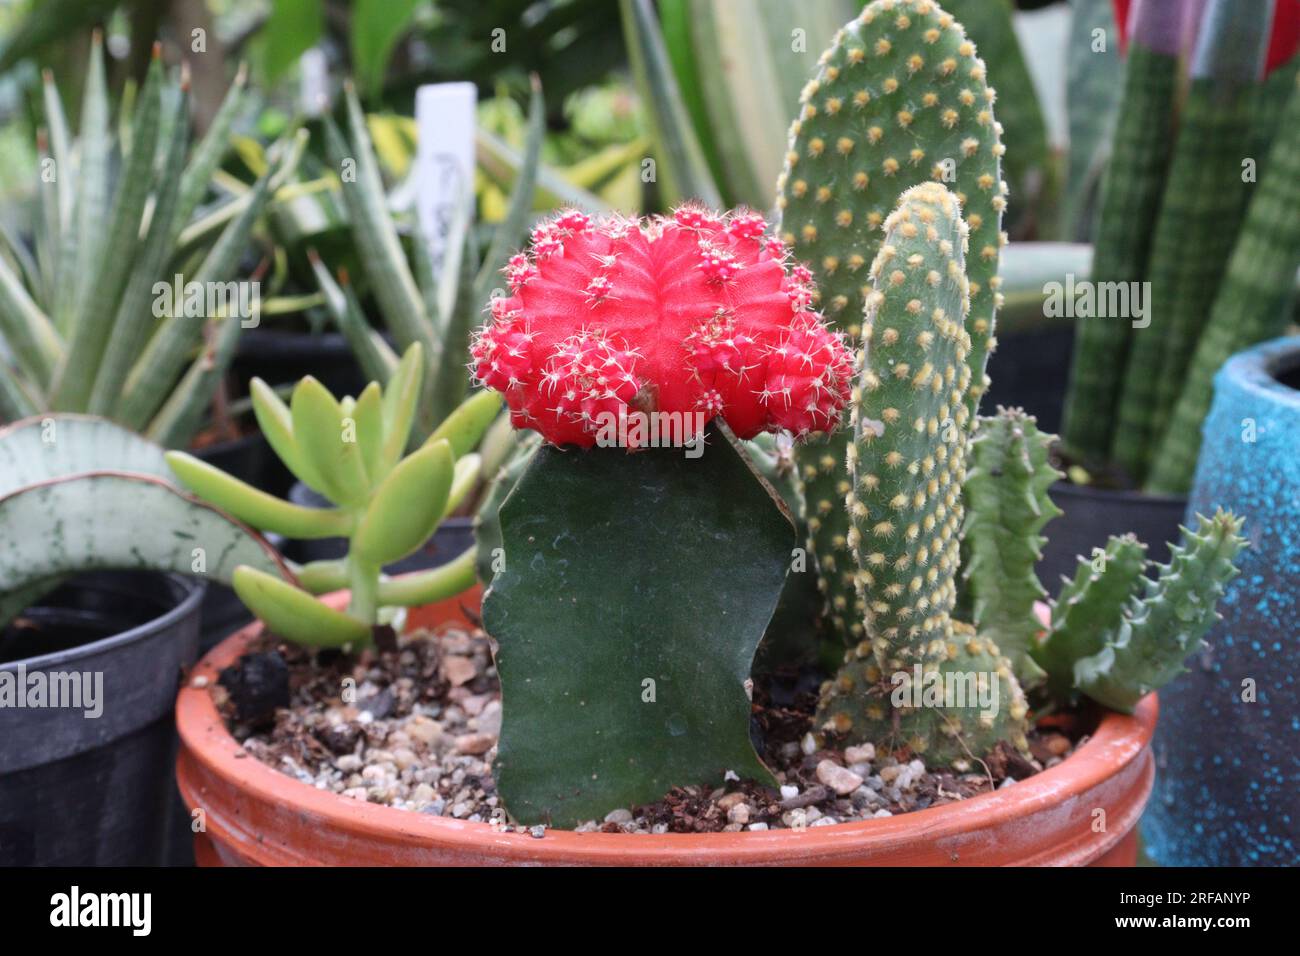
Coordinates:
(256, 816)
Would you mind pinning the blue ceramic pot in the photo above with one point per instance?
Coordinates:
(1228, 784)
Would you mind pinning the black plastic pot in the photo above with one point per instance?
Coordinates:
(451, 539)
(250, 459)
(79, 790)
(280, 357)
(1094, 514)
(1028, 370)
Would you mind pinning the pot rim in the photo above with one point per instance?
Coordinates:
(1118, 741)
(1132, 496)
(1256, 369)
(193, 590)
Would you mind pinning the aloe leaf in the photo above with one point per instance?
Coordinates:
(373, 354)
(133, 318)
(504, 165)
(597, 664)
(58, 445)
(257, 508)
(377, 240)
(448, 378)
(464, 427)
(406, 508)
(90, 333)
(683, 172)
(91, 521)
(510, 229)
(428, 587)
(291, 612)
(319, 430)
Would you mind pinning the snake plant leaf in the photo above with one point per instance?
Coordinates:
(211, 148)
(30, 336)
(319, 430)
(83, 246)
(400, 398)
(257, 508)
(464, 427)
(406, 508)
(684, 172)
(634, 593)
(133, 320)
(75, 378)
(91, 521)
(293, 613)
(45, 447)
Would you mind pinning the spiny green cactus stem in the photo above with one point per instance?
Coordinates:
(1201, 210)
(1252, 302)
(1029, 170)
(899, 98)
(1130, 198)
(907, 465)
(1088, 606)
(1006, 508)
(1166, 625)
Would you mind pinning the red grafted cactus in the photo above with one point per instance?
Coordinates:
(700, 312)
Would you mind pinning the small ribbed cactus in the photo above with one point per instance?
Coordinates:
(899, 98)
(907, 465)
(1008, 506)
(1144, 646)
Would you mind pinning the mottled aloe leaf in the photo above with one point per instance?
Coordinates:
(634, 592)
(93, 521)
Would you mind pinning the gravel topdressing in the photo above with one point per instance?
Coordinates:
(415, 728)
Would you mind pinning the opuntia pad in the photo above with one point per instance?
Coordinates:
(699, 312)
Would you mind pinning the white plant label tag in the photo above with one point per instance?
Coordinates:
(444, 158)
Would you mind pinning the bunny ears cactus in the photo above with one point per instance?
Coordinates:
(697, 313)
(385, 503)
